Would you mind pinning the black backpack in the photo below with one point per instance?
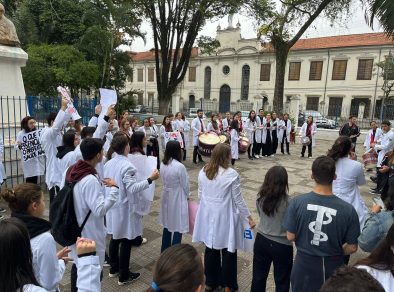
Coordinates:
(65, 228)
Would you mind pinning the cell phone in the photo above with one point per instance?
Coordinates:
(378, 201)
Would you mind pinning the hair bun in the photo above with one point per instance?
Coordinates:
(8, 195)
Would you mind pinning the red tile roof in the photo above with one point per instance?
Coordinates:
(150, 55)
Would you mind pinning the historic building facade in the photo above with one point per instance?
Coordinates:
(335, 75)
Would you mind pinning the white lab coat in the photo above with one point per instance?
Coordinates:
(32, 167)
(385, 145)
(69, 159)
(384, 277)
(196, 128)
(48, 269)
(378, 135)
(50, 139)
(210, 128)
(186, 131)
(350, 175)
(3, 175)
(314, 131)
(225, 124)
(162, 133)
(250, 128)
(174, 213)
(89, 195)
(89, 271)
(234, 139)
(119, 217)
(283, 129)
(221, 210)
(109, 137)
(259, 130)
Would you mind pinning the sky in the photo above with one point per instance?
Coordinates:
(355, 24)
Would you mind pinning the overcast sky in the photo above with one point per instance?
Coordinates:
(356, 24)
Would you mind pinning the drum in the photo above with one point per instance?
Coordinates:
(243, 144)
(206, 143)
(370, 160)
(223, 139)
(305, 141)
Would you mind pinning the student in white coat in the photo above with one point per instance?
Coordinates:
(234, 140)
(3, 176)
(34, 167)
(213, 125)
(89, 199)
(380, 262)
(50, 139)
(186, 131)
(267, 136)
(349, 176)
(250, 128)
(226, 122)
(174, 214)
(198, 128)
(373, 136)
(309, 130)
(258, 136)
(27, 203)
(222, 208)
(386, 143)
(119, 220)
(166, 126)
(284, 127)
(66, 156)
(16, 268)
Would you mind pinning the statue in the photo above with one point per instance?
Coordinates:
(8, 34)
(230, 20)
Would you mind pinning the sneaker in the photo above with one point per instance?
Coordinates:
(113, 275)
(272, 155)
(144, 240)
(106, 264)
(310, 157)
(2, 210)
(132, 277)
(256, 156)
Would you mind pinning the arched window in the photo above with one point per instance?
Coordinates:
(245, 82)
(207, 83)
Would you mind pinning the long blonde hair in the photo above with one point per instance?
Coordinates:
(220, 156)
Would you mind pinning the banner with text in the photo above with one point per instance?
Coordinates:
(173, 136)
(31, 146)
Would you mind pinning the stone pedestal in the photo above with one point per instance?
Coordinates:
(175, 103)
(14, 108)
(295, 108)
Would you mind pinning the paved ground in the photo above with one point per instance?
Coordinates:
(252, 175)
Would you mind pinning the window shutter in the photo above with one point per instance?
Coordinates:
(294, 70)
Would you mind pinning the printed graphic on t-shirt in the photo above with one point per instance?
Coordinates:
(316, 226)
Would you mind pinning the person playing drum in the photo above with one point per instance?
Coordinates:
(198, 128)
(309, 131)
(213, 125)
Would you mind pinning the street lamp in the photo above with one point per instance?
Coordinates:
(386, 86)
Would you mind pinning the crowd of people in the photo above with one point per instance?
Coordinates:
(112, 166)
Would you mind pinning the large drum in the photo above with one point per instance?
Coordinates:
(223, 139)
(243, 144)
(206, 143)
(370, 160)
(305, 141)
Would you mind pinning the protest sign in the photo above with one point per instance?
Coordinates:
(31, 146)
(70, 107)
(108, 97)
(173, 136)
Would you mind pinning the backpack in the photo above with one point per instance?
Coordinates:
(65, 228)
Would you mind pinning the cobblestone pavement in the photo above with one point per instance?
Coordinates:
(252, 175)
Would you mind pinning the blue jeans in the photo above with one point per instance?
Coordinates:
(169, 240)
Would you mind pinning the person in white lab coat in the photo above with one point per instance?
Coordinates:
(35, 167)
(186, 139)
(250, 128)
(222, 208)
(258, 135)
(380, 262)
(386, 143)
(267, 136)
(89, 199)
(174, 214)
(374, 135)
(119, 220)
(16, 268)
(198, 128)
(3, 175)
(284, 127)
(226, 122)
(166, 126)
(66, 156)
(50, 139)
(234, 140)
(27, 203)
(350, 175)
(182, 126)
(213, 125)
(309, 130)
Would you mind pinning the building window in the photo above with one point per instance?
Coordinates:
(245, 82)
(339, 70)
(364, 71)
(312, 103)
(151, 75)
(294, 70)
(335, 107)
(265, 72)
(192, 74)
(151, 95)
(131, 76)
(207, 83)
(226, 70)
(315, 70)
(140, 75)
(358, 104)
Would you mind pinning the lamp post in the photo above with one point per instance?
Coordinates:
(386, 87)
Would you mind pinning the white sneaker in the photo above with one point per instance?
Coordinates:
(113, 275)
(272, 155)
(144, 240)
(256, 156)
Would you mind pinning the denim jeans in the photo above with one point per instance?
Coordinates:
(170, 239)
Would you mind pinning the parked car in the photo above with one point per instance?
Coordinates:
(193, 113)
(140, 109)
(319, 120)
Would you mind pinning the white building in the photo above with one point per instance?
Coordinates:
(335, 75)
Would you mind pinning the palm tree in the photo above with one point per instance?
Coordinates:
(383, 10)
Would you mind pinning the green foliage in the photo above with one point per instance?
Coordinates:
(208, 45)
(52, 65)
(383, 10)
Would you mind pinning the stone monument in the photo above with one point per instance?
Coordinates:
(12, 59)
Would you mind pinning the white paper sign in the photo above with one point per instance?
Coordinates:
(108, 98)
(70, 107)
(173, 136)
(31, 146)
(145, 166)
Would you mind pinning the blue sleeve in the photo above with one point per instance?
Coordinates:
(353, 229)
(371, 233)
(289, 222)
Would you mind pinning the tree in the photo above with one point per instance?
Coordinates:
(383, 10)
(175, 25)
(284, 26)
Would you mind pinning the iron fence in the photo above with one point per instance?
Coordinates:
(14, 109)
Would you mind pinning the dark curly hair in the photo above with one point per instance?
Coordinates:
(341, 148)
